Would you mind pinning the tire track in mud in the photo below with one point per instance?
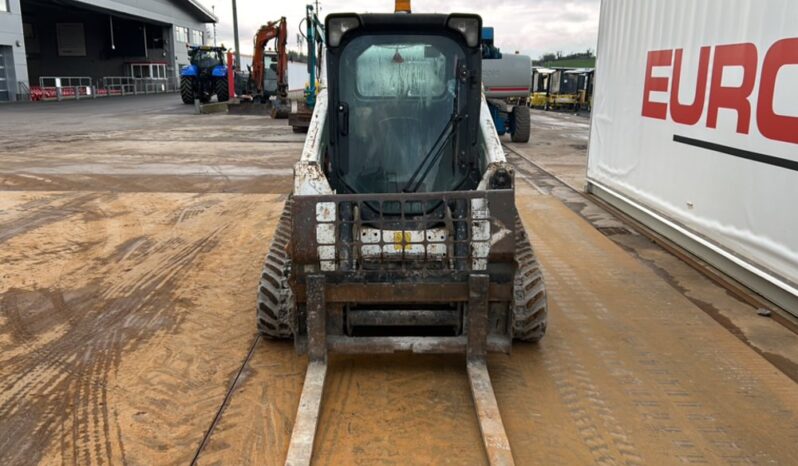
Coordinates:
(44, 212)
(656, 380)
(595, 422)
(63, 384)
(606, 438)
(143, 183)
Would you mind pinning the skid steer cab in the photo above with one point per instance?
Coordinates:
(401, 233)
(206, 76)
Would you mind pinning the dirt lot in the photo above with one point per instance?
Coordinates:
(131, 240)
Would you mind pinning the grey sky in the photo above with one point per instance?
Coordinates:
(531, 26)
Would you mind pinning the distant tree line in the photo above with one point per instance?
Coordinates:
(297, 56)
(557, 56)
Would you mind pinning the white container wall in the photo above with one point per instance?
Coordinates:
(695, 130)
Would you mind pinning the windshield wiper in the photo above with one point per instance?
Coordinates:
(436, 151)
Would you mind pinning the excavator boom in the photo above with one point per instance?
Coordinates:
(272, 30)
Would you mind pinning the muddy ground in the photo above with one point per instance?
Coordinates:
(131, 239)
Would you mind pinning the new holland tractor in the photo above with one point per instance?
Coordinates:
(205, 76)
(402, 233)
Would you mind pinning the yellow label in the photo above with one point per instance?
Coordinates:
(401, 240)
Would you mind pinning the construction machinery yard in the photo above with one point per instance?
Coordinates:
(131, 241)
(363, 271)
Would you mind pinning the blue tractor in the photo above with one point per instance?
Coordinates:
(205, 76)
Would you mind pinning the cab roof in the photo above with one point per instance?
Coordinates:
(434, 23)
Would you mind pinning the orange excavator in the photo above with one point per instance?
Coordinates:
(272, 30)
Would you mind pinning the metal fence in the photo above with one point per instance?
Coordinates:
(80, 87)
(23, 91)
(60, 87)
(65, 81)
(125, 85)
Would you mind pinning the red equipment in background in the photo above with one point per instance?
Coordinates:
(272, 30)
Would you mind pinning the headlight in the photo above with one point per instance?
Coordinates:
(469, 26)
(337, 26)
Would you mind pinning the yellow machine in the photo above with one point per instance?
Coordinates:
(562, 88)
(539, 96)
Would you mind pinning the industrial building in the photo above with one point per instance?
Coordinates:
(95, 42)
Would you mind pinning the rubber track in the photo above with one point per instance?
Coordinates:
(275, 299)
(529, 310)
(276, 306)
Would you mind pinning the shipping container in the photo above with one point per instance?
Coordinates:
(694, 130)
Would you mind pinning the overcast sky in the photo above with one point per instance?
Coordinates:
(533, 27)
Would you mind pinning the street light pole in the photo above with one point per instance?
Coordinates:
(235, 36)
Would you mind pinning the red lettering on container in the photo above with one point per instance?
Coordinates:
(652, 84)
(689, 114)
(772, 125)
(735, 98)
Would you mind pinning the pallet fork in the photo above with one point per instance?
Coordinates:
(474, 346)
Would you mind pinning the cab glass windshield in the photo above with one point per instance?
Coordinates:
(401, 70)
(398, 92)
(206, 58)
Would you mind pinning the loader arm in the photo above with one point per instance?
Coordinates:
(272, 30)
